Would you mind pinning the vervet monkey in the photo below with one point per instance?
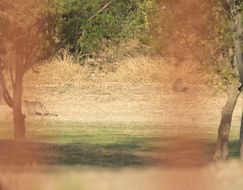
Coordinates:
(35, 108)
(178, 86)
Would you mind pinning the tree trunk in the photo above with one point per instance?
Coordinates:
(238, 45)
(238, 52)
(19, 117)
(241, 138)
(222, 148)
(5, 92)
(19, 124)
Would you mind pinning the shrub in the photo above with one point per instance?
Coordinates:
(89, 26)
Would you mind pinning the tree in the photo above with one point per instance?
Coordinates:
(26, 34)
(233, 12)
(218, 49)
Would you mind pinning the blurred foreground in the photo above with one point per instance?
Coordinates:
(219, 176)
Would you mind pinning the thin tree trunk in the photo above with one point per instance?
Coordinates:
(238, 46)
(241, 138)
(222, 148)
(238, 53)
(5, 92)
(19, 117)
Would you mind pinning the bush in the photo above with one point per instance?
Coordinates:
(88, 26)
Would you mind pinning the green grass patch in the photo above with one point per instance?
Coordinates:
(110, 144)
(234, 146)
(69, 143)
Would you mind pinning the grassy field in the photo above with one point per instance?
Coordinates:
(62, 155)
(108, 144)
(70, 143)
(111, 145)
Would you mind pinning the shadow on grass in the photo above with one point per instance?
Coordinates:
(234, 149)
(144, 152)
(12, 152)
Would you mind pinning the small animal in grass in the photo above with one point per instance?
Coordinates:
(178, 86)
(36, 108)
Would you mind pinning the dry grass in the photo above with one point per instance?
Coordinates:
(66, 70)
(138, 69)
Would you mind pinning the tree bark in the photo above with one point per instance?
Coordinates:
(241, 138)
(19, 117)
(6, 95)
(222, 147)
(238, 53)
(238, 45)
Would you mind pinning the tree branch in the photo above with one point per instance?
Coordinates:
(101, 10)
(6, 95)
(10, 69)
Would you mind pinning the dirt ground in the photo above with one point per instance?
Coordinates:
(125, 102)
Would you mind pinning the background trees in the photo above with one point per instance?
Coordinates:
(89, 26)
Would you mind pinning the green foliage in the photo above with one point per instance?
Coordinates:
(26, 36)
(157, 25)
(221, 44)
(88, 26)
(222, 67)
